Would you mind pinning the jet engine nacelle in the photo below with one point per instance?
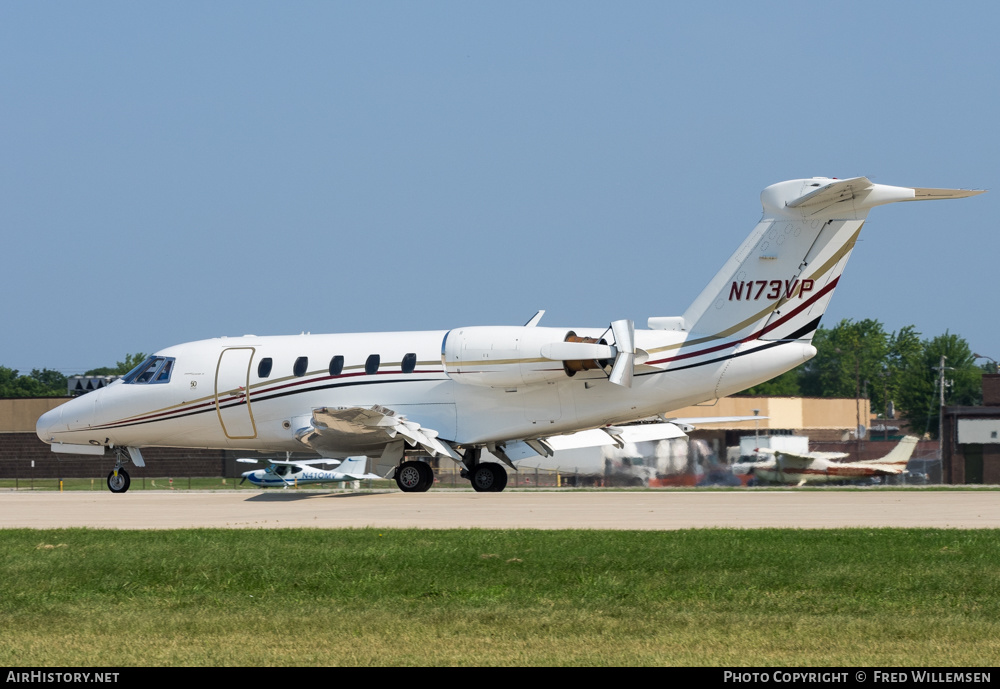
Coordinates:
(510, 356)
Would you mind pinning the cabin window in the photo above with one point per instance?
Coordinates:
(371, 366)
(155, 369)
(264, 368)
(301, 366)
(336, 365)
(409, 363)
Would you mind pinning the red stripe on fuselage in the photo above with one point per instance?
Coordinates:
(755, 335)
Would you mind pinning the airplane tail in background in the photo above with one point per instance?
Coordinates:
(900, 455)
(779, 282)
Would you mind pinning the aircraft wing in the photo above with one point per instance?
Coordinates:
(340, 429)
(688, 424)
(511, 452)
(878, 468)
(354, 468)
(788, 459)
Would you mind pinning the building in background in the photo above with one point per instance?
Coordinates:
(970, 447)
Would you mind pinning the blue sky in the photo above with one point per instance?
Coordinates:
(174, 172)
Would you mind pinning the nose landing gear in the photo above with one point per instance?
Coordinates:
(118, 479)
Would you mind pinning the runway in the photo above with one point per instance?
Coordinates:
(643, 510)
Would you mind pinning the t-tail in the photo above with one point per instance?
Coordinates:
(779, 282)
(770, 295)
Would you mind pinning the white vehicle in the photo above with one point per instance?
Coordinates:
(286, 473)
(517, 391)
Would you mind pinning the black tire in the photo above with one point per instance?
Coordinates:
(414, 477)
(488, 477)
(428, 474)
(500, 477)
(120, 483)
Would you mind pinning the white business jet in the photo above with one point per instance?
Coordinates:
(517, 391)
(289, 472)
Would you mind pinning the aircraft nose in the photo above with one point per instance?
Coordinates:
(48, 423)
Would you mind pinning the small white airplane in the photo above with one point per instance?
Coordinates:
(823, 467)
(517, 391)
(291, 473)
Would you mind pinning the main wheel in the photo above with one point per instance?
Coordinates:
(428, 473)
(414, 477)
(119, 483)
(500, 478)
(488, 477)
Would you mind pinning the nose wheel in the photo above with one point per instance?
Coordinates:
(119, 481)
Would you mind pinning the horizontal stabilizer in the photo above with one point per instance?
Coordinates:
(840, 190)
(932, 194)
(867, 194)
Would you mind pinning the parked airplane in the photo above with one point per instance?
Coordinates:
(517, 391)
(289, 473)
(823, 467)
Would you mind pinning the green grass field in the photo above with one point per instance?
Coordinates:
(886, 597)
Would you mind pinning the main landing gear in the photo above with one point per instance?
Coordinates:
(414, 477)
(486, 477)
(118, 479)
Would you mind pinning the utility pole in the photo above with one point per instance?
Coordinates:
(941, 368)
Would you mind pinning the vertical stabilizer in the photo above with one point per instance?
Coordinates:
(900, 455)
(779, 282)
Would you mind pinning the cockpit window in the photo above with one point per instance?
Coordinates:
(155, 369)
(164, 375)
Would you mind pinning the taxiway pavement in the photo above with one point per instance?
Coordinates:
(644, 510)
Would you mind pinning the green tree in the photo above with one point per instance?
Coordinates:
(785, 385)
(13, 384)
(120, 368)
(904, 350)
(51, 380)
(919, 394)
(850, 359)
